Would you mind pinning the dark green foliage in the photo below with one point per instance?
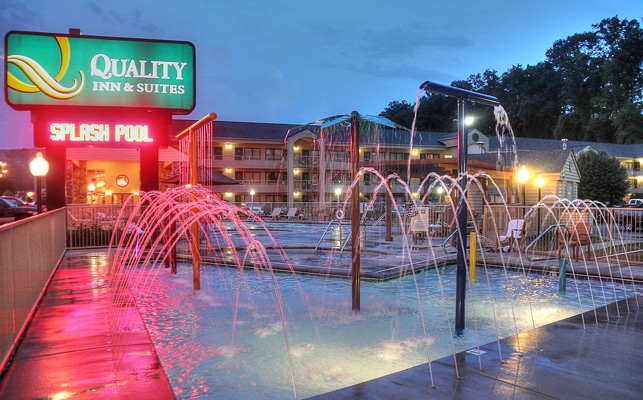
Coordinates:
(590, 87)
(602, 178)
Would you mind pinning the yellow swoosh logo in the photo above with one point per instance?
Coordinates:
(40, 80)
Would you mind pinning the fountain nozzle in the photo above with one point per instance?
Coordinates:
(460, 93)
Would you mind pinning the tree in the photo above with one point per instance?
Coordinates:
(590, 87)
(602, 178)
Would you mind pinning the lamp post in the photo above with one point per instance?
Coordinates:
(252, 196)
(338, 192)
(39, 168)
(440, 191)
(523, 177)
(539, 183)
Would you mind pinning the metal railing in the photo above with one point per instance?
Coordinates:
(30, 250)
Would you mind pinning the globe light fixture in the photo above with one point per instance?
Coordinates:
(39, 168)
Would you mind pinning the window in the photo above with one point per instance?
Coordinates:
(634, 183)
(274, 154)
(394, 155)
(636, 166)
(217, 153)
(250, 153)
(247, 153)
(272, 177)
(252, 177)
(367, 156)
(367, 179)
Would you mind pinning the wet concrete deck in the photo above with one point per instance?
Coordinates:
(69, 350)
(563, 360)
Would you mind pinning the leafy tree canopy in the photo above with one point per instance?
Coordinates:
(589, 87)
(602, 178)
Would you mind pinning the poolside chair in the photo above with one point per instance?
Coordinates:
(292, 213)
(576, 238)
(276, 212)
(419, 227)
(515, 233)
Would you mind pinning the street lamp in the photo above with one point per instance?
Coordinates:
(523, 177)
(440, 191)
(3, 169)
(39, 168)
(338, 192)
(252, 196)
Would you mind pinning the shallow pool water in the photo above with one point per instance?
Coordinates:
(229, 339)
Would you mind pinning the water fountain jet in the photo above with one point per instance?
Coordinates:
(462, 96)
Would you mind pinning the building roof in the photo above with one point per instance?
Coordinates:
(613, 149)
(272, 131)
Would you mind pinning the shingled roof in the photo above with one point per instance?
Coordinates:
(613, 149)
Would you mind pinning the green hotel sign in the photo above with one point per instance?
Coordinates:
(70, 70)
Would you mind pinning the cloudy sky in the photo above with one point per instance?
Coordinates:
(295, 61)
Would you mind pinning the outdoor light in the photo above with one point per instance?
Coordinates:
(91, 187)
(523, 177)
(252, 195)
(39, 168)
(338, 192)
(440, 192)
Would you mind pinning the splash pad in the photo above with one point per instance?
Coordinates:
(251, 331)
(273, 318)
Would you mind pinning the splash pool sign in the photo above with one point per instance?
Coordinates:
(45, 69)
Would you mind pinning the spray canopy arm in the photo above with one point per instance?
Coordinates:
(461, 94)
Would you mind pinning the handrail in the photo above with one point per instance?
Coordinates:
(543, 233)
(448, 239)
(381, 217)
(332, 221)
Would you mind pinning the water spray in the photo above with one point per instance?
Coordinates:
(462, 96)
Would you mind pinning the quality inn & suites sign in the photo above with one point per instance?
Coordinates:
(70, 70)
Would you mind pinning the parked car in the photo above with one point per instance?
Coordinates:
(254, 208)
(10, 212)
(631, 218)
(16, 200)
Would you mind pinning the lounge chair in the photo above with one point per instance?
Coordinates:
(276, 212)
(292, 213)
(515, 233)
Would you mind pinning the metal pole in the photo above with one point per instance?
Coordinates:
(388, 211)
(194, 180)
(524, 203)
(39, 194)
(355, 235)
(461, 212)
(539, 197)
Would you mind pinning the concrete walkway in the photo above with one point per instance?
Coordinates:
(563, 360)
(69, 350)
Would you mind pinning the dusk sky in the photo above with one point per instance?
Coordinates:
(294, 61)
